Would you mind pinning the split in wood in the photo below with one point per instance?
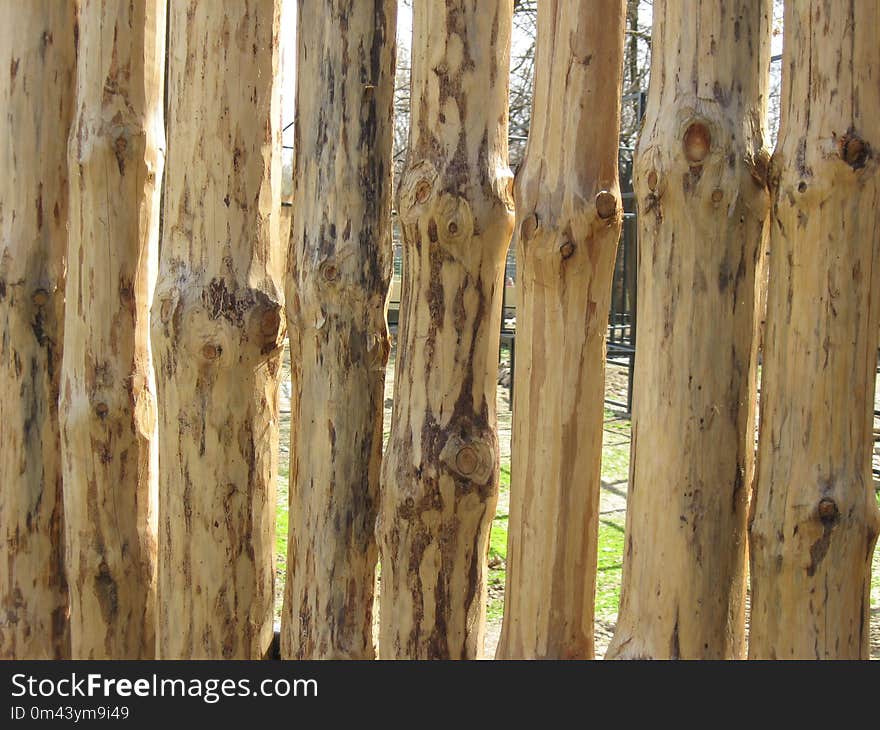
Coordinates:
(528, 227)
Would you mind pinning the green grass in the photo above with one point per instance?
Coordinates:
(610, 560)
(498, 548)
(282, 512)
(875, 572)
(498, 538)
(495, 604)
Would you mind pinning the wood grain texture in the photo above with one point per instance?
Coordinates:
(339, 272)
(700, 183)
(814, 515)
(569, 216)
(440, 473)
(217, 331)
(38, 55)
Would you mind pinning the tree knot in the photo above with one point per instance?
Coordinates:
(697, 142)
(470, 458)
(854, 150)
(827, 510)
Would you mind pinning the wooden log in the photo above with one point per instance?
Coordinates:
(217, 332)
(339, 270)
(108, 401)
(569, 216)
(440, 474)
(814, 515)
(700, 184)
(38, 55)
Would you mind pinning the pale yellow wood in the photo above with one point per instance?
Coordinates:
(814, 517)
(217, 330)
(700, 182)
(569, 215)
(440, 474)
(285, 224)
(38, 58)
(108, 402)
(339, 269)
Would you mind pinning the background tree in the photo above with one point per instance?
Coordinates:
(568, 224)
(522, 76)
(217, 333)
(440, 474)
(701, 187)
(38, 53)
(814, 513)
(340, 267)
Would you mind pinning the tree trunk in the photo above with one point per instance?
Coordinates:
(38, 42)
(217, 333)
(568, 222)
(815, 518)
(108, 410)
(701, 188)
(340, 269)
(440, 475)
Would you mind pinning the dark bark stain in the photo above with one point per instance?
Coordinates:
(819, 549)
(674, 642)
(107, 593)
(39, 207)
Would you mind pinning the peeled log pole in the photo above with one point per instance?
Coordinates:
(700, 182)
(815, 519)
(568, 225)
(340, 263)
(217, 333)
(440, 474)
(108, 408)
(38, 55)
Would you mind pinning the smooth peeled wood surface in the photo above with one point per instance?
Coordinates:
(340, 268)
(568, 225)
(38, 54)
(700, 182)
(217, 332)
(440, 474)
(108, 404)
(814, 516)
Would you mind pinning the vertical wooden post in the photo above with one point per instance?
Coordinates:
(340, 268)
(38, 55)
(440, 475)
(700, 183)
(217, 332)
(569, 216)
(107, 407)
(814, 516)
